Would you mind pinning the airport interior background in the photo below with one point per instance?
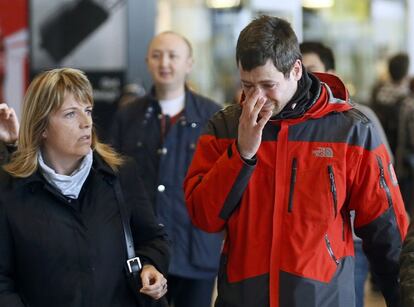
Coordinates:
(362, 33)
(108, 40)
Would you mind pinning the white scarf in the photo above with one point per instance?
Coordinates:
(71, 185)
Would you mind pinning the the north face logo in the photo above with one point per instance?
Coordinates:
(323, 152)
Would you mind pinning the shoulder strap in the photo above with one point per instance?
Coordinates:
(133, 262)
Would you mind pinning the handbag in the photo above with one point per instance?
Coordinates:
(133, 264)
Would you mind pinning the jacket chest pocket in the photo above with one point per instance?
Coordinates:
(187, 137)
(313, 191)
(179, 148)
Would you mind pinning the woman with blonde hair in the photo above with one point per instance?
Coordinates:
(64, 200)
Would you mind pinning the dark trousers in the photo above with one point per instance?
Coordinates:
(186, 292)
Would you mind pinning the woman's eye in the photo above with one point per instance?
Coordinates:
(89, 111)
(70, 114)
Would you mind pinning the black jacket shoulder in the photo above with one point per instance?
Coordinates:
(357, 116)
(5, 180)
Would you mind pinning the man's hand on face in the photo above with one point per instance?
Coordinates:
(9, 125)
(251, 125)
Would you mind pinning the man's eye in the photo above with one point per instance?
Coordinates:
(269, 86)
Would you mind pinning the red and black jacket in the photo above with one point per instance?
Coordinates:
(289, 240)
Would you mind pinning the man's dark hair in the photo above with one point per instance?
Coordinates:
(323, 52)
(268, 38)
(398, 66)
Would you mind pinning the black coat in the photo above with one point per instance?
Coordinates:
(5, 152)
(163, 163)
(59, 252)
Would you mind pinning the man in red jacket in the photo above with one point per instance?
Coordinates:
(281, 171)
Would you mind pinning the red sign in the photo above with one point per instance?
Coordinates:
(13, 52)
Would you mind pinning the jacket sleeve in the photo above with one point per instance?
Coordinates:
(8, 293)
(407, 269)
(150, 239)
(215, 181)
(5, 152)
(380, 217)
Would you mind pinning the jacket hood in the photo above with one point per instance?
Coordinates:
(333, 97)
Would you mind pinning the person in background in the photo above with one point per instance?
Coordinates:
(61, 234)
(160, 131)
(9, 131)
(393, 103)
(317, 57)
(386, 95)
(404, 151)
(405, 169)
(281, 172)
(407, 269)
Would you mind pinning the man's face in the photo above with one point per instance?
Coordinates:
(312, 62)
(169, 61)
(271, 84)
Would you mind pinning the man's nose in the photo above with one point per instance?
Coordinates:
(259, 91)
(164, 60)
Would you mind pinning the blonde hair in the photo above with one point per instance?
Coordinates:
(44, 96)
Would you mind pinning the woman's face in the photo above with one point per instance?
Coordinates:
(68, 136)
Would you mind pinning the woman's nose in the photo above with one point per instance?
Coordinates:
(86, 121)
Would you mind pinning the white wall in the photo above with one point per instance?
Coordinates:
(288, 9)
(410, 34)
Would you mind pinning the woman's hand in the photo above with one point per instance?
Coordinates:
(154, 283)
(9, 125)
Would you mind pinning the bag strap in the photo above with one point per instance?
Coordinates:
(133, 262)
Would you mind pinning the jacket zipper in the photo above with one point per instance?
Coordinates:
(335, 198)
(333, 189)
(292, 183)
(383, 182)
(343, 215)
(330, 251)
